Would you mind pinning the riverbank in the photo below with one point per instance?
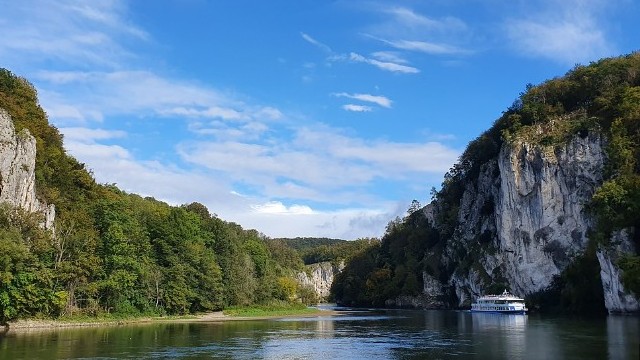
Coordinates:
(236, 314)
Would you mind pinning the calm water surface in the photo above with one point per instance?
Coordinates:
(389, 334)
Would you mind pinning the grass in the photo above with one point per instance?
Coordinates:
(114, 317)
(269, 310)
(275, 309)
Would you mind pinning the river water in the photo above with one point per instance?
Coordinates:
(373, 334)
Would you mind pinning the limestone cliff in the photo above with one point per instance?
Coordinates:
(320, 277)
(524, 221)
(431, 297)
(616, 299)
(17, 170)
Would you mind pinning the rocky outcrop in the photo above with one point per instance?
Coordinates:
(17, 170)
(320, 277)
(430, 298)
(616, 298)
(524, 221)
(540, 214)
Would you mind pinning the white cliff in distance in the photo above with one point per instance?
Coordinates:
(17, 170)
(320, 277)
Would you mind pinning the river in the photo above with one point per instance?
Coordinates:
(352, 334)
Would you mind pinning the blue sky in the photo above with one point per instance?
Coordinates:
(299, 117)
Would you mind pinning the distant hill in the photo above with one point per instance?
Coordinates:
(306, 243)
(317, 250)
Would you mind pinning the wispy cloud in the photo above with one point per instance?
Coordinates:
(408, 18)
(71, 32)
(425, 47)
(389, 56)
(384, 65)
(376, 99)
(316, 43)
(405, 29)
(564, 31)
(320, 159)
(357, 108)
(94, 95)
(210, 112)
(88, 135)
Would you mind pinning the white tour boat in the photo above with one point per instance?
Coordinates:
(503, 303)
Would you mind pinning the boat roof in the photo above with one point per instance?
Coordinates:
(504, 296)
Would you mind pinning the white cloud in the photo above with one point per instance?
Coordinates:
(276, 207)
(98, 94)
(69, 31)
(251, 130)
(407, 18)
(389, 56)
(376, 99)
(401, 159)
(114, 164)
(87, 135)
(568, 32)
(357, 108)
(316, 43)
(319, 165)
(350, 223)
(210, 112)
(405, 29)
(384, 65)
(425, 47)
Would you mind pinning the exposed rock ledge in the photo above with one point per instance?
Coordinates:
(320, 277)
(17, 170)
(430, 298)
(616, 299)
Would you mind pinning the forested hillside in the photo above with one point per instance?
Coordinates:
(316, 250)
(451, 242)
(113, 252)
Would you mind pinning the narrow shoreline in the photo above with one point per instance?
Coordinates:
(29, 325)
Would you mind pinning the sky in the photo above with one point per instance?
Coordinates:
(295, 118)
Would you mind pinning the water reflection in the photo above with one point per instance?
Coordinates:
(401, 334)
(500, 334)
(623, 330)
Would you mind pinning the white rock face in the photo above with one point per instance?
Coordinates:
(321, 277)
(539, 216)
(616, 299)
(430, 298)
(17, 170)
(525, 219)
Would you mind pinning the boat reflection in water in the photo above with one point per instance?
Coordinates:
(485, 321)
(503, 335)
